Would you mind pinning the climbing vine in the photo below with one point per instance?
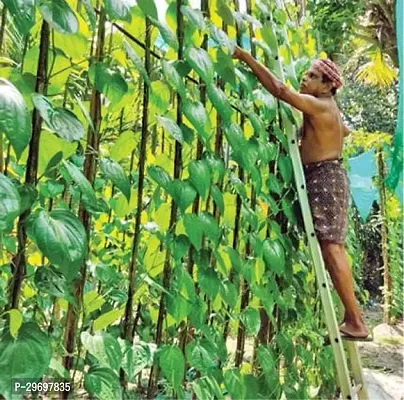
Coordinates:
(151, 236)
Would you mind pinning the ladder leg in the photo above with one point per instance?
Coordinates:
(356, 367)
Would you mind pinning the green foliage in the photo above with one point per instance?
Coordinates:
(335, 22)
(61, 238)
(216, 205)
(14, 117)
(374, 110)
(118, 9)
(200, 61)
(108, 81)
(102, 383)
(10, 203)
(113, 171)
(59, 15)
(60, 120)
(27, 355)
(172, 363)
(23, 13)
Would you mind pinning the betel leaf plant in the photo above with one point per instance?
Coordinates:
(149, 228)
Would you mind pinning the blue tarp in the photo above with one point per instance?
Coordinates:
(362, 170)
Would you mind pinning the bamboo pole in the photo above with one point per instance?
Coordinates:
(184, 327)
(173, 214)
(128, 331)
(385, 256)
(19, 260)
(245, 289)
(89, 172)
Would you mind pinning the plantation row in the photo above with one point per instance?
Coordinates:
(148, 217)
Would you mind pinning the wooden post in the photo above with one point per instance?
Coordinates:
(385, 256)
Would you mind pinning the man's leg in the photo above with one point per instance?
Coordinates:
(337, 264)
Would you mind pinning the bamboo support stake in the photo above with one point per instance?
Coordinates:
(19, 260)
(184, 328)
(386, 270)
(173, 215)
(89, 172)
(128, 331)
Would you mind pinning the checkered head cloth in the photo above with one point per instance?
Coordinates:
(328, 68)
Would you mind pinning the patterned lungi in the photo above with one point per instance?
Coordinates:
(328, 193)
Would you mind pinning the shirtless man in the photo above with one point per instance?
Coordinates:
(326, 178)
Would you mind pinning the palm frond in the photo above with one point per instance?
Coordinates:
(377, 72)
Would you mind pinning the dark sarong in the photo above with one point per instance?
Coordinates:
(328, 193)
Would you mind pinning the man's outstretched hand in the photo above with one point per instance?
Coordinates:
(238, 53)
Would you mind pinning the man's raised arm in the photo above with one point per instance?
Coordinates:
(303, 102)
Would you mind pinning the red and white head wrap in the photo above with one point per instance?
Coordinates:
(328, 68)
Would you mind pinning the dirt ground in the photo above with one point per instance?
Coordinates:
(382, 359)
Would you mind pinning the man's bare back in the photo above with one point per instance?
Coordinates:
(322, 134)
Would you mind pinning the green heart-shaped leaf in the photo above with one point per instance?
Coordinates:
(119, 9)
(82, 182)
(199, 175)
(174, 78)
(10, 203)
(220, 102)
(222, 39)
(59, 15)
(160, 97)
(194, 16)
(224, 66)
(159, 175)
(148, 7)
(274, 256)
(23, 13)
(29, 354)
(196, 114)
(178, 307)
(229, 293)
(49, 280)
(182, 192)
(194, 230)
(138, 63)
(210, 227)
(208, 282)
(166, 33)
(198, 357)
(104, 347)
(103, 383)
(113, 171)
(218, 198)
(285, 168)
(200, 61)
(60, 236)
(251, 320)
(108, 81)
(172, 363)
(15, 120)
(60, 120)
(269, 36)
(171, 127)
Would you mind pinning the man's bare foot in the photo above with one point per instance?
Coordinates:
(354, 330)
